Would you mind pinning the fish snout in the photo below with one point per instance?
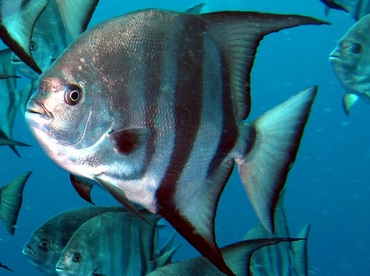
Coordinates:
(27, 250)
(60, 267)
(35, 107)
(335, 54)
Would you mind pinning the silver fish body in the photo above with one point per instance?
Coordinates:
(47, 242)
(151, 104)
(111, 244)
(351, 63)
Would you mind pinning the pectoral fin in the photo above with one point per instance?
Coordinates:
(126, 141)
(349, 99)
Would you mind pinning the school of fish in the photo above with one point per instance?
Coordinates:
(152, 106)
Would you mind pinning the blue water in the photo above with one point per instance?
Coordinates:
(327, 187)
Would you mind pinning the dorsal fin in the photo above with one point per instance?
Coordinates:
(238, 35)
(76, 14)
(18, 17)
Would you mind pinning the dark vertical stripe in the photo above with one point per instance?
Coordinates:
(187, 109)
(230, 131)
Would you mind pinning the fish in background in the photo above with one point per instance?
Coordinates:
(9, 101)
(356, 8)
(38, 31)
(113, 244)
(46, 242)
(351, 63)
(6, 267)
(237, 256)
(11, 197)
(283, 258)
(164, 130)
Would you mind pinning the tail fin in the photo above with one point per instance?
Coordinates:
(275, 140)
(300, 253)
(11, 200)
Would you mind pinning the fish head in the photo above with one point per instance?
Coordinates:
(351, 58)
(41, 252)
(69, 110)
(74, 261)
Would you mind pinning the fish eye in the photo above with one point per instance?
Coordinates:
(44, 244)
(32, 45)
(73, 95)
(356, 48)
(76, 257)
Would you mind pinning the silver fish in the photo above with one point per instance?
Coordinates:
(236, 255)
(111, 244)
(11, 197)
(47, 242)
(150, 106)
(351, 63)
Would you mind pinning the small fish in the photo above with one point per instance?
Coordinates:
(351, 63)
(6, 267)
(236, 255)
(9, 101)
(156, 117)
(111, 244)
(11, 197)
(47, 242)
(282, 258)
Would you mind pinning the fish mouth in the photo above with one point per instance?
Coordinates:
(35, 107)
(60, 268)
(335, 55)
(27, 250)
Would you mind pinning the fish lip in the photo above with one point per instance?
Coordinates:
(36, 107)
(27, 250)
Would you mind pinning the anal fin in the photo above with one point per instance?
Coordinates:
(192, 212)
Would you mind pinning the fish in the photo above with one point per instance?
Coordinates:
(38, 31)
(47, 241)
(356, 8)
(282, 258)
(11, 197)
(111, 244)
(350, 61)
(9, 101)
(236, 255)
(135, 118)
(6, 267)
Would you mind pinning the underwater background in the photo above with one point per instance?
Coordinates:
(328, 186)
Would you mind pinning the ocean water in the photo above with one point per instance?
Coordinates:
(328, 186)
